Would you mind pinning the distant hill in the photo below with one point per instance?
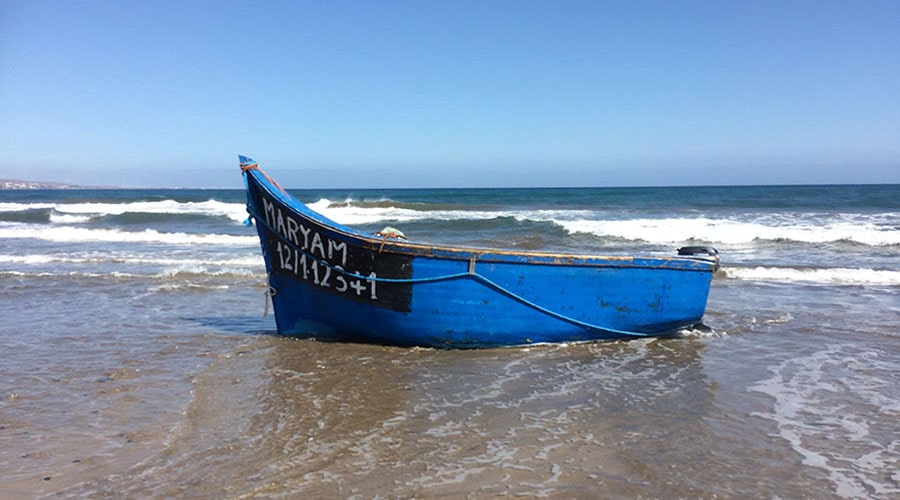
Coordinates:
(14, 184)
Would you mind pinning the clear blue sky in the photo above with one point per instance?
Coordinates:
(450, 93)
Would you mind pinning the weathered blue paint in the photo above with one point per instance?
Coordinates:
(333, 282)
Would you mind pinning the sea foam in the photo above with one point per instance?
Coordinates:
(67, 212)
(871, 230)
(84, 235)
(822, 405)
(832, 276)
(668, 230)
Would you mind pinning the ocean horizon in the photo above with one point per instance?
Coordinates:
(11, 184)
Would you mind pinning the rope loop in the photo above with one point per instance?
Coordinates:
(247, 167)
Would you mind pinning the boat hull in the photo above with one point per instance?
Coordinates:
(333, 282)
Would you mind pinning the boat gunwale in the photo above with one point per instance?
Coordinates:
(480, 254)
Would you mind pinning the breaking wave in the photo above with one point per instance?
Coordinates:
(87, 235)
(107, 258)
(831, 276)
(67, 213)
(349, 213)
(871, 230)
(737, 232)
(876, 230)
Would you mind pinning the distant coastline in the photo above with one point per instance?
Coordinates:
(17, 184)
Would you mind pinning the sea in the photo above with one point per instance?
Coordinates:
(139, 357)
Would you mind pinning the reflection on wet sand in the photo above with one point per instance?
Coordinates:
(285, 417)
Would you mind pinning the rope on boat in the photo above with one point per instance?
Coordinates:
(389, 232)
(469, 274)
(252, 165)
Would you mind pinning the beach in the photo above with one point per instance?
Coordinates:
(137, 360)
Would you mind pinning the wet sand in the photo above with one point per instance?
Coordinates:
(186, 391)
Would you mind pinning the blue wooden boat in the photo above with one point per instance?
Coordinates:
(334, 282)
